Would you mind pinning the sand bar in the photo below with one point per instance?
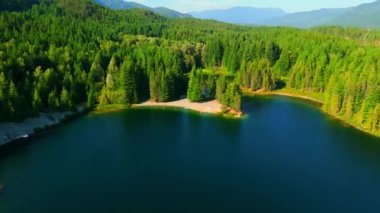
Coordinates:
(212, 107)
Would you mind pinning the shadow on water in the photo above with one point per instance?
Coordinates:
(180, 121)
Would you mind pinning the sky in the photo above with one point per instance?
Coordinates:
(287, 5)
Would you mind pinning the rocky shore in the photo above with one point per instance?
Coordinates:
(12, 131)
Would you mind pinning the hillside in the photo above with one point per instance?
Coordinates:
(125, 5)
(365, 15)
(306, 19)
(240, 15)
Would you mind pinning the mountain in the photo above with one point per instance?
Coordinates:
(306, 19)
(364, 15)
(240, 15)
(120, 4)
(170, 13)
(126, 5)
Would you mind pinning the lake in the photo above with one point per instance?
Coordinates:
(285, 156)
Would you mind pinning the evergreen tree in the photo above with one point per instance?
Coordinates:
(154, 86)
(283, 64)
(194, 92)
(3, 98)
(112, 72)
(272, 53)
(65, 99)
(165, 91)
(128, 81)
(375, 120)
(221, 86)
(53, 100)
(37, 101)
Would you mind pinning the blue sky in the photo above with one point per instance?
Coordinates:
(287, 5)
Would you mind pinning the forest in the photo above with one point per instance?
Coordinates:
(61, 53)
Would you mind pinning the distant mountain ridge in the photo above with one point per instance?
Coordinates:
(364, 15)
(306, 19)
(240, 15)
(126, 5)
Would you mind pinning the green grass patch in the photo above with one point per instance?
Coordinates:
(110, 108)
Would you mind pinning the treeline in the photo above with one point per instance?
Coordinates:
(65, 52)
(205, 86)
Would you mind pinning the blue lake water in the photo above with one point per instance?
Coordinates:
(286, 156)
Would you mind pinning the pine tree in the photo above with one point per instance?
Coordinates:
(91, 97)
(112, 72)
(37, 101)
(53, 101)
(3, 87)
(233, 96)
(194, 92)
(96, 73)
(221, 87)
(283, 64)
(128, 81)
(65, 99)
(164, 93)
(3, 98)
(154, 86)
(210, 87)
(349, 107)
(371, 98)
(272, 53)
(13, 100)
(375, 120)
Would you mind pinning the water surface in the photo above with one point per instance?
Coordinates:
(286, 156)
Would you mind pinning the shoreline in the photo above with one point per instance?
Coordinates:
(290, 93)
(316, 101)
(212, 107)
(302, 97)
(14, 131)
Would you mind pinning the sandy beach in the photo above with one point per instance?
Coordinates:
(212, 107)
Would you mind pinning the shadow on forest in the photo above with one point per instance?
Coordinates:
(280, 84)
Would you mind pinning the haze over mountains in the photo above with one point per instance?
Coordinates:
(241, 15)
(364, 15)
(305, 19)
